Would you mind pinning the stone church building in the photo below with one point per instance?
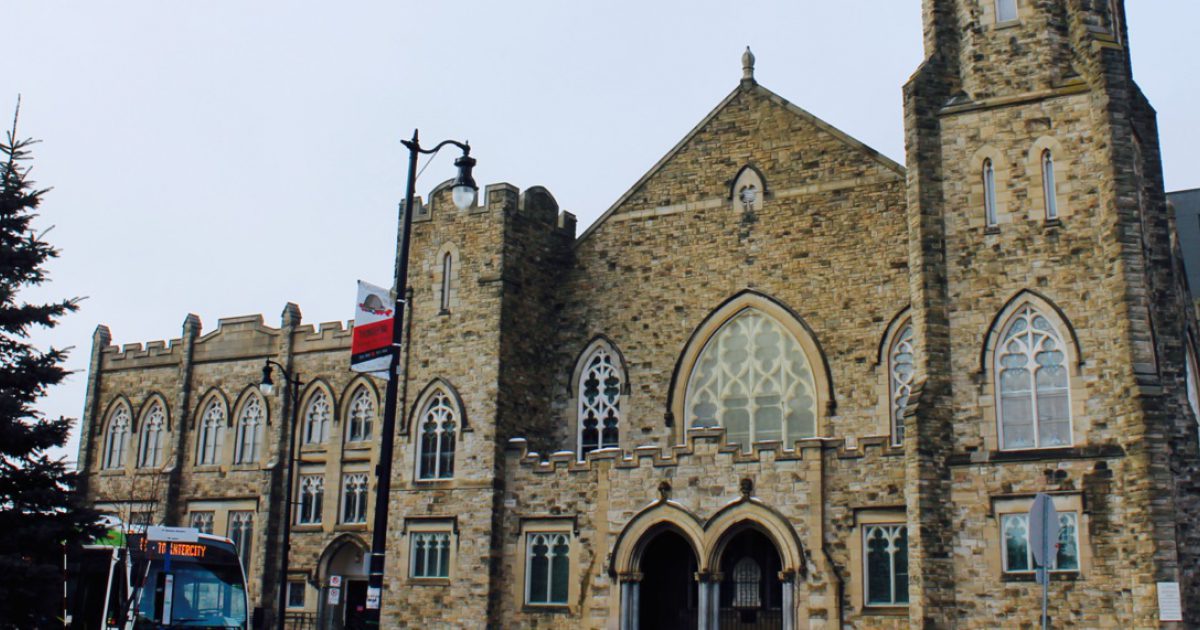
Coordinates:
(783, 382)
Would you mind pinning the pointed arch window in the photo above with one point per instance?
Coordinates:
(153, 437)
(436, 437)
(212, 434)
(900, 379)
(753, 378)
(989, 193)
(599, 391)
(1032, 383)
(316, 418)
(117, 439)
(1049, 188)
(362, 416)
(249, 431)
(447, 265)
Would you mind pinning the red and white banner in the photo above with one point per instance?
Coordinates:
(371, 344)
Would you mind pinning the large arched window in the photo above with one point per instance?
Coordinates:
(249, 431)
(436, 432)
(754, 378)
(1032, 383)
(900, 379)
(212, 434)
(153, 437)
(117, 438)
(361, 415)
(317, 418)
(599, 391)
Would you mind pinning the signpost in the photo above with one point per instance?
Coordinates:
(1043, 541)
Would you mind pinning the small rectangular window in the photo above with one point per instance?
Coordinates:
(295, 595)
(885, 560)
(1017, 553)
(1006, 11)
(429, 556)
(547, 568)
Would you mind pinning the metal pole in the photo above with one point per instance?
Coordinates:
(293, 388)
(383, 470)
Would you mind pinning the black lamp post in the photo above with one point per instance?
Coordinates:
(464, 192)
(293, 391)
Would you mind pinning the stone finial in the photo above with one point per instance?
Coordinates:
(290, 317)
(664, 491)
(747, 65)
(102, 337)
(747, 487)
(191, 325)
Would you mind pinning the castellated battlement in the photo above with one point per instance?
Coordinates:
(518, 452)
(535, 202)
(241, 337)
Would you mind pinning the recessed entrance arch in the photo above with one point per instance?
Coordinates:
(751, 592)
(346, 560)
(667, 592)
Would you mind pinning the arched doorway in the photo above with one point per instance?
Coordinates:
(344, 569)
(668, 593)
(751, 592)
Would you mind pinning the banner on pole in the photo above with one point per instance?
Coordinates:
(371, 343)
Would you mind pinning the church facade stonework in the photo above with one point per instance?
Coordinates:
(783, 382)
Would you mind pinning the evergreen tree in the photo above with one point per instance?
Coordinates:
(39, 511)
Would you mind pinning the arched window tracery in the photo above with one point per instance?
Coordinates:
(436, 435)
(153, 437)
(317, 418)
(753, 378)
(361, 416)
(1032, 383)
(117, 438)
(212, 434)
(249, 431)
(900, 379)
(599, 392)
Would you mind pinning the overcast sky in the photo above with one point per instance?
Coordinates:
(223, 158)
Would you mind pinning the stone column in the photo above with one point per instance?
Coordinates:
(631, 586)
(174, 508)
(788, 578)
(91, 409)
(708, 600)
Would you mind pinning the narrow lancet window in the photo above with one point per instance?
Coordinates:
(436, 437)
(900, 377)
(989, 193)
(1048, 186)
(447, 263)
(600, 386)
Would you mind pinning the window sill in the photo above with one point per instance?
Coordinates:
(206, 468)
(899, 610)
(307, 527)
(351, 527)
(1052, 223)
(991, 229)
(1056, 576)
(1000, 26)
(419, 581)
(111, 472)
(433, 483)
(552, 609)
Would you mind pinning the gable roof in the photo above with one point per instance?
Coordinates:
(746, 86)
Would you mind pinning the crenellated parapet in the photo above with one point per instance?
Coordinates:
(519, 453)
(535, 202)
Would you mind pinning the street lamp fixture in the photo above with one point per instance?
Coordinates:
(463, 193)
(267, 386)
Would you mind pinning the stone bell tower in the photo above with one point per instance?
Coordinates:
(1035, 182)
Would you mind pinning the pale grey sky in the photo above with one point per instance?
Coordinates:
(223, 158)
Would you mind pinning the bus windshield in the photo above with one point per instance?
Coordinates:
(202, 590)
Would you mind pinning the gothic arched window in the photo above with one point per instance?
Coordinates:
(900, 379)
(1049, 188)
(117, 438)
(212, 434)
(1032, 383)
(989, 193)
(436, 433)
(753, 378)
(362, 415)
(153, 437)
(249, 431)
(316, 418)
(599, 391)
